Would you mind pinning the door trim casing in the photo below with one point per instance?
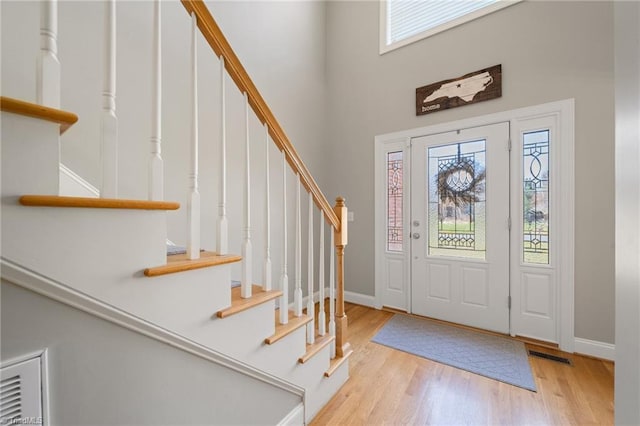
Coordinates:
(564, 110)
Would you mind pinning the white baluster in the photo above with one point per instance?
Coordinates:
(156, 166)
(48, 68)
(266, 285)
(222, 237)
(321, 314)
(246, 283)
(109, 143)
(284, 278)
(332, 293)
(311, 332)
(297, 295)
(193, 204)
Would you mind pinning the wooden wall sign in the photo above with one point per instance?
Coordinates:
(474, 87)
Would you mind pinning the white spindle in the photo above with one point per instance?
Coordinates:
(193, 205)
(222, 236)
(48, 68)
(311, 333)
(266, 286)
(156, 166)
(109, 143)
(321, 314)
(284, 278)
(297, 295)
(246, 283)
(332, 293)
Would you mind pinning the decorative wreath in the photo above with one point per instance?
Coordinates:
(451, 188)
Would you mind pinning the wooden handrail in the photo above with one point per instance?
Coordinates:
(212, 33)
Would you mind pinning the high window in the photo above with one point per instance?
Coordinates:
(405, 21)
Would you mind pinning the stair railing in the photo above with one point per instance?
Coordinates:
(336, 217)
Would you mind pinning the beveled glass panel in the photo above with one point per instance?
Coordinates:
(456, 182)
(394, 201)
(535, 195)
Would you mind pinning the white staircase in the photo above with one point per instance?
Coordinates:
(103, 253)
(114, 251)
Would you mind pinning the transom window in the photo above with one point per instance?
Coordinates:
(406, 21)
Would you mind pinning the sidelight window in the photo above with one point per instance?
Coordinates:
(535, 192)
(394, 201)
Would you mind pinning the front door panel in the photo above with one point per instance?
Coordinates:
(460, 228)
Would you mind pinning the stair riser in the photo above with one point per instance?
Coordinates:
(89, 248)
(270, 357)
(30, 156)
(239, 335)
(323, 389)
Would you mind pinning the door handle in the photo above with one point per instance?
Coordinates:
(416, 235)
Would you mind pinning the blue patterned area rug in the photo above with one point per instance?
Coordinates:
(484, 354)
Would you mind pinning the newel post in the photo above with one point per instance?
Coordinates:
(340, 235)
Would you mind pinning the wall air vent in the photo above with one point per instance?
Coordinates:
(21, 398)
(10, 399)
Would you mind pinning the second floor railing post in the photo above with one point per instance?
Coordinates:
(341, 239)
(48, 68)
(109, 142)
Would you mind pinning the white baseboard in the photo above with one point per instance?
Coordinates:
(360, 299)
(316, 298)
(349, 296)
(295, 417)
(594, 348)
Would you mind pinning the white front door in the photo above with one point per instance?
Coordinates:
(460, 226)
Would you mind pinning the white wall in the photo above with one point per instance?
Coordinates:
(548, 50)
(627, 69)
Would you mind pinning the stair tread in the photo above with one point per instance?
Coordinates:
(180, 262)
(64, 118)
(238, 304)
(98, 203)
(336, 363)
(283, 330)
(312, 349)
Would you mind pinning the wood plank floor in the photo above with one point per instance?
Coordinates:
(389, 387)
